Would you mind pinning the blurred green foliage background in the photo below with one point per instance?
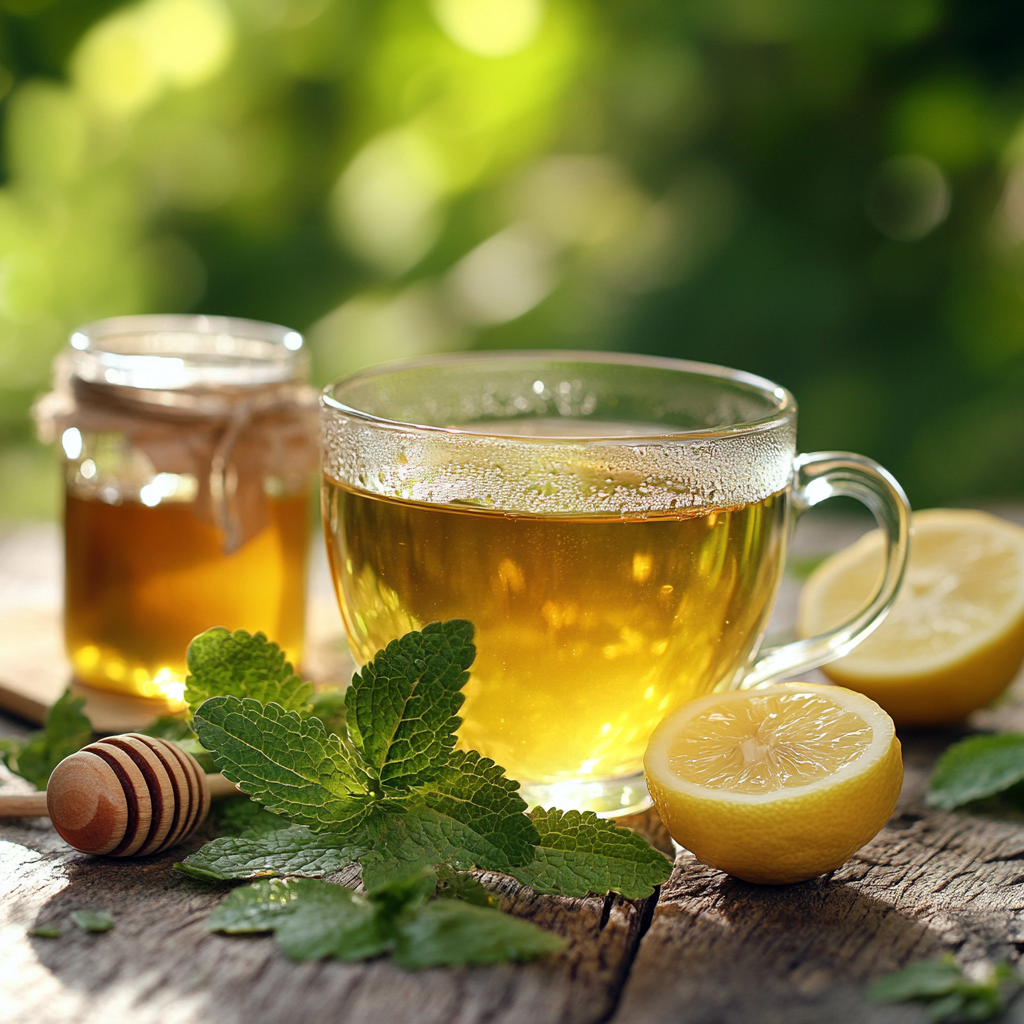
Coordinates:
(830, 194)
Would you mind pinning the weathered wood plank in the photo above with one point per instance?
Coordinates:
(160, 965)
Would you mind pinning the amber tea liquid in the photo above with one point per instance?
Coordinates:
(142, 581)
(588, 630)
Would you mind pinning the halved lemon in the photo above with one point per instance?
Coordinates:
(954, 638)
(775, 785)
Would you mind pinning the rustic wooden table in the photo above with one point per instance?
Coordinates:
(706, 949)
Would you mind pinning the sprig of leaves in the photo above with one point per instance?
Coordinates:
(389, 790)
(948, 994)
(66, 731)
(976, 768)
(393, 791)
(312, 920)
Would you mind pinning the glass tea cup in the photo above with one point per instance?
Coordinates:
(615, 527)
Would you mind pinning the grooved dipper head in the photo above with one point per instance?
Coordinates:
(125, 796)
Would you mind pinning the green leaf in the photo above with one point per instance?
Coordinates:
(256, 907)
(977, 767)
(460, 885)
(347, 931)
(949, 995)
(260, 906)
(286, 851)
(329, 707)
(926, 979)
(403, 839)
(471, 820)
(242, 665)
(234, 817)
(311, 919)
(475, 792)
(66, 731)
(402, 705)
(46, 931)
(451, 933)
(579, 853)
(291, 765)
(951, 1008)
(93, 920)
(403, 894)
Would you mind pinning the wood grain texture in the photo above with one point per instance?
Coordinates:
(159, 964)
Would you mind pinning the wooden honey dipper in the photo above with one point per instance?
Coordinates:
(124, 796)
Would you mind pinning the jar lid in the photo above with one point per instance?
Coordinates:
(173, 352)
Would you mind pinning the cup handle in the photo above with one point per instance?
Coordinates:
(822, 475)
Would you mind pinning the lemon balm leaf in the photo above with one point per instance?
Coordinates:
(948, 993)
(241, 664)
(291, 765)
(66, 731)
(329, 707)
(287, 851)
(404, 839)
(311, 919)
(391, 792)
(975, 768)
(453, 933)
(350, 931)
(579, 853)
(471, 815)
(460, 885)
(474, 792)
(93, 920)
(260, 907)
(402, 707)
(927, 979)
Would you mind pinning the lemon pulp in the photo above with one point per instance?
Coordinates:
(768, 742)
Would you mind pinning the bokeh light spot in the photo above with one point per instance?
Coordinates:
(504, 277)
(71, 442)
(372, 328)
(126, 61)
(908, 198)
(386, 203)
(490, 28)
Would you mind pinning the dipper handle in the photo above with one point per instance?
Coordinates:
(23, 805)
(124, 796)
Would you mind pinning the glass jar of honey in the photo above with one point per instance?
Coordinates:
(188, 444)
